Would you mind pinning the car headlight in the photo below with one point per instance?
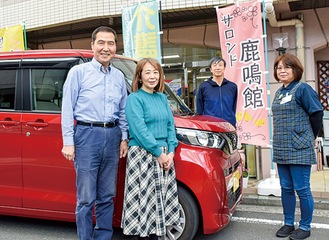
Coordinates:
(202, 138)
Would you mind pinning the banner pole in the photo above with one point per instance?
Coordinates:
(24, 34)
(160, 29)
(268, 83)
(270, 186)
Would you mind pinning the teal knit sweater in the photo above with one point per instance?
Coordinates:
(151, 122)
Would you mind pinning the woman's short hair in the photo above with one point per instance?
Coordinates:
(138, 74)
(292, 61)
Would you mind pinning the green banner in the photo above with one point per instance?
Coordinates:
(140, 29)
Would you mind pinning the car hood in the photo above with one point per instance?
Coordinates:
(203, 122)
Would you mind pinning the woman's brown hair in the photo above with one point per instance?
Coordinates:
(292, 61)
(137, 83)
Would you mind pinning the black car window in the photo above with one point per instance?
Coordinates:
(47, 79)
(128, 68)
(7, 88)
(47, 87)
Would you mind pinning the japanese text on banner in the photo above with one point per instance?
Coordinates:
(240, 29)
(140, 25)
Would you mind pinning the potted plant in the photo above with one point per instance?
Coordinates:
(245, 176)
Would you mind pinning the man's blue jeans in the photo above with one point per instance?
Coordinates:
(96, 165)
(296, 177)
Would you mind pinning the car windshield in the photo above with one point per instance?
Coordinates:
(178, 107)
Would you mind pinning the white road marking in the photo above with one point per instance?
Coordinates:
(273, 222)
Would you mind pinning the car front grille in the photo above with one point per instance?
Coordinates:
(233, 196)
(230, 170)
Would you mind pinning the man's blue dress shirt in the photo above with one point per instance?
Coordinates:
(92, 95)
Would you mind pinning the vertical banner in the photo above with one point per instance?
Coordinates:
(140, 29)
(240, 32)
(11, 38)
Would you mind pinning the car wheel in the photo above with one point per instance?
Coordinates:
(189, 218)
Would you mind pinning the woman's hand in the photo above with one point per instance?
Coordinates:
(163, 160)
(316, 143)
(171, 160)
(166, 161)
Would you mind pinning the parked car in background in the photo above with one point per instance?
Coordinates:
(37, 181)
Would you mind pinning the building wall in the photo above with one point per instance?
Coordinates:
(38, 14)
(207, 36)
(316, 35)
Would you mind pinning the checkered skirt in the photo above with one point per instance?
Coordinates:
(151, 199)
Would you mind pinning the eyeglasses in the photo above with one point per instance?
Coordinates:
(284, 68)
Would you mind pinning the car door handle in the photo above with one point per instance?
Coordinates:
(9, 123)
(37, 124)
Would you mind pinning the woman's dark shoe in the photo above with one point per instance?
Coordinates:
(153, 237)
(299, 234)
(142, 238)
(285, 231)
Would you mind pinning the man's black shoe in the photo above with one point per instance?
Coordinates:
(285, 231)
(299, 234)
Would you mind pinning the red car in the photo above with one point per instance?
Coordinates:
(36, 181)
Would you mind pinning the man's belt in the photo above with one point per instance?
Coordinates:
(99, 124)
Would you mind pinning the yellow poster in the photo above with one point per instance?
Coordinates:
(11, 38)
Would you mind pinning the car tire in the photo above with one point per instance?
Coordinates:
(189, 218)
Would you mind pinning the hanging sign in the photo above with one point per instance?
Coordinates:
(11, 38)
(140, 30)
(240, 29)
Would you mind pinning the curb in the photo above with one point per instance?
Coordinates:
(254, 199)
